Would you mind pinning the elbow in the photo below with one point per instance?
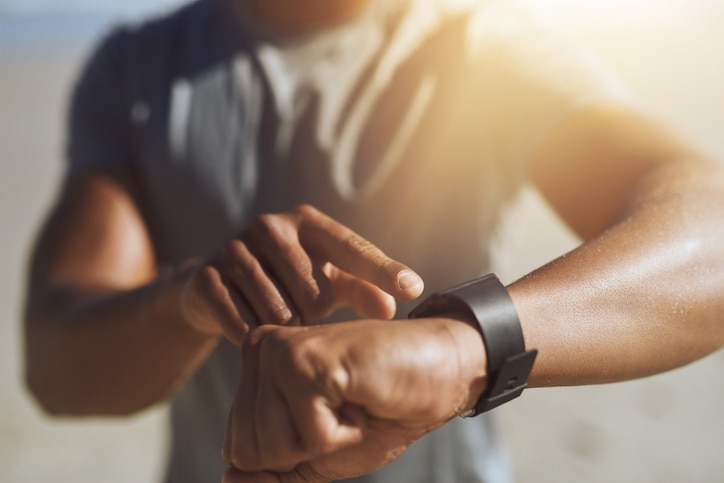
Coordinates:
(63, 386)
(44, 388)
(44, 378)
(60, 400)
(45, 383)
(43, 395)
(56, 405)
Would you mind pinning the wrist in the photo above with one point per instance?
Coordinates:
(471, 356)
(487, 302)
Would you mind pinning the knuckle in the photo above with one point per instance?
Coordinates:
(239, 259)
(267, 226)
(246, 457)
(358, 244)
(208, 281)
(306, 210)
(303, 363)
(236, 249)
(293, 353)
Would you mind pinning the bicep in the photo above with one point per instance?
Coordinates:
(589, 166)
(94, 240)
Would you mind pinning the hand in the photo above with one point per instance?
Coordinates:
(293, 268)
(341, 400)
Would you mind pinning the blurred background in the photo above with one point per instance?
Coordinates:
(667, 428)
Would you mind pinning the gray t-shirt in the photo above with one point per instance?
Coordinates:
(411, 123)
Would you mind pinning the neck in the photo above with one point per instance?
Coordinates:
(306, 14)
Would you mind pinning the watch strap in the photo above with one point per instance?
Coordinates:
(488, 301)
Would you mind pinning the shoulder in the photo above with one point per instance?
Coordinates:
(182, 21)
(498, 28)
(160, 42)
(510, 43)
(477, 31)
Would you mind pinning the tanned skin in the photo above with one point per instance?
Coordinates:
(640, 296)
(107, 334)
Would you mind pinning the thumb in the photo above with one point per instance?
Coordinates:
(367, 300)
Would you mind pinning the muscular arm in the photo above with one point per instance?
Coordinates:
(103, 333)
(643, 293)
(640, 296)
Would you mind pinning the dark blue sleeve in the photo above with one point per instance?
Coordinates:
(99, 129)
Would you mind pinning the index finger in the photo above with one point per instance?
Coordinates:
(357, 256)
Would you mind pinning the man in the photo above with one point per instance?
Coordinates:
(228, 165)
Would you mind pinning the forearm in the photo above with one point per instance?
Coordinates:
(111, 353)
(641, 298)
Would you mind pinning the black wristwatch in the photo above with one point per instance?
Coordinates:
(509, 364)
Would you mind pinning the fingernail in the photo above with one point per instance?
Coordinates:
(409, 281)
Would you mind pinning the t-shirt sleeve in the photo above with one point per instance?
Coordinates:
(99, 134)
(531, 79)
